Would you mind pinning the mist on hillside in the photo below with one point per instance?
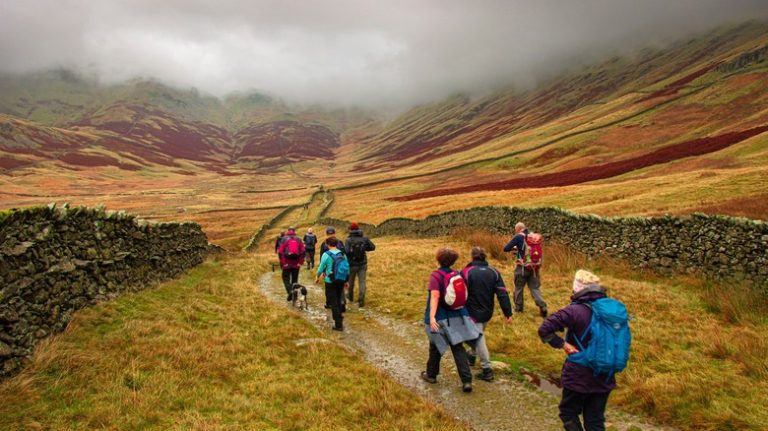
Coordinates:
(342, 52)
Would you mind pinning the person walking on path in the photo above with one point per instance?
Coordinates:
(484, 283)
(357, 246)
(447, 328)
(584, 393)
(330, 231)
(330, 261)
(292, 253)
(310, 240)
(525, 275)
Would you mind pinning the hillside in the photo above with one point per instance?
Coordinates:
(624, 136)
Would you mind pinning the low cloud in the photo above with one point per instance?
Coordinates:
(344, 51)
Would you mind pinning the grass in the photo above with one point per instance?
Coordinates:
(698, 353)
(204, 352)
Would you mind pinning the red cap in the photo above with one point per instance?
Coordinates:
(353, 226)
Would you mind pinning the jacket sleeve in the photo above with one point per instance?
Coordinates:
(369, 245)
(503, 296)
(554, 324)
(302, 253)
(347, 244)
(514, 242)
(323, 264)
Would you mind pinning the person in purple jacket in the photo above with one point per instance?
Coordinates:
(584, 393)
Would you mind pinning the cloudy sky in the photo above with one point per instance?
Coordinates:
(344, 51)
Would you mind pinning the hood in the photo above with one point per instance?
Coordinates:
(589, 294)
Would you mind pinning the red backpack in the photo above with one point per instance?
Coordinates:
(533, 255)
(292, 248)
(455, 292)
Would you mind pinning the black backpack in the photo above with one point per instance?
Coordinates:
(356, 251)
(310, 241)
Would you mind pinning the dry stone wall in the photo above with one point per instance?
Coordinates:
(54, 261)
(716, 246)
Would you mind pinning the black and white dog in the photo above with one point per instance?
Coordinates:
(299, 296)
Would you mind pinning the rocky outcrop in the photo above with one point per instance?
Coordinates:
(54, 261)
(715, 246)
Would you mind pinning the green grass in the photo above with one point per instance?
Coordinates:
(206, 351)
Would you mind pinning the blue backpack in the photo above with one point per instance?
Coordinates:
(340, 267)
(608, 349)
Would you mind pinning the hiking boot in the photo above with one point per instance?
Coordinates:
(466, 387)
(290, 297)
(573, 425)
(543, 312)
(472, 359)
(338, 328)
(426, 378)
(518, 310)
(486, 374)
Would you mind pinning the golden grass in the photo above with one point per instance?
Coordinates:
(205, 352)
(698, 353)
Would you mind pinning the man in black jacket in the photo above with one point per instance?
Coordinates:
(483, 282)
(357, 247)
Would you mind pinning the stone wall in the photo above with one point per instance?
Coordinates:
(54, 261)
(716, 246)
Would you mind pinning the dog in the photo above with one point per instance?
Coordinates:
(299, 296)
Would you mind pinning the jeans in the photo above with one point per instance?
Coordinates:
(480, 349)
(334, 294)
(358, 271)
(528, 276)
(591, 406)
(459, 356)
(290, 276)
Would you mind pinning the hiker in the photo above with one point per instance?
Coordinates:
(310, 240)
(585, 391)
(447, 327)
(291, 252)
(357, 247)
(525, 272)
(330, 231)
(279, 240)
(483, 283)
(334, 269)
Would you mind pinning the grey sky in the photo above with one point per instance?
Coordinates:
(343, 51)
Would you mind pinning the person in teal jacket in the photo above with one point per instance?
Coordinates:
(334, 289)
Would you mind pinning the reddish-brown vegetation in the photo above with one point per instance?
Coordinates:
(694, 147)
(289, 139)
(674, 87)
(11, 163)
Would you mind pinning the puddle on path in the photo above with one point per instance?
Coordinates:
(400, 349)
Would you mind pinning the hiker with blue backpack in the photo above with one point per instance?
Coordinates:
(334, 269)
(446, 320)
(597, 345)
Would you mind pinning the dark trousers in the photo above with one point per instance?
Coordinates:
(357, 272)
(290, 276)
(527, 276)
(459, 356)
(310, 258)
(591, 406)
(334, 294)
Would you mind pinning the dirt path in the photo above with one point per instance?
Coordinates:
(400, 350)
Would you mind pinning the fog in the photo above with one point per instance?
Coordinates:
(388, 53)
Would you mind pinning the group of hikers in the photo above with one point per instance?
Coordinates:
(460, 303)
(341, 264)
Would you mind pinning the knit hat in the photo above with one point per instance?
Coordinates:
(354, 226)
(330, 230)
(584, 279)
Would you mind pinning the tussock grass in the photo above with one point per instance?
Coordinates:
(204, 352)
(698, 353)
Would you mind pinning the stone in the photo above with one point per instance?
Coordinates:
(5, 350)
